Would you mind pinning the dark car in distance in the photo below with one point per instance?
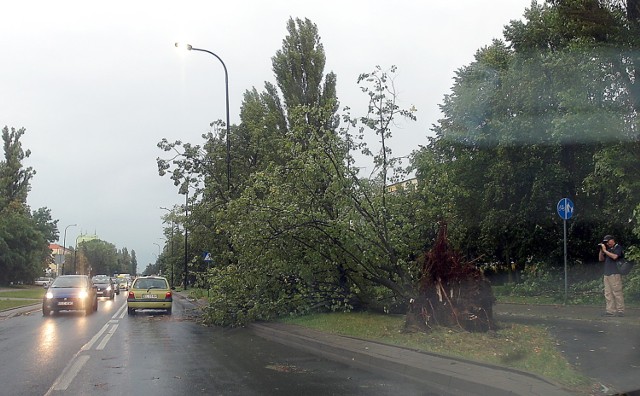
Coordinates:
(104, 286)
(70, 293)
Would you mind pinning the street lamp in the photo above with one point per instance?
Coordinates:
(64, 246)
(226, 83)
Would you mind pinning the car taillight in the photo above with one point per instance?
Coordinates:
(131, 295)
(167, 295)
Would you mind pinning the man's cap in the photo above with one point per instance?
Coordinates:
(608, 238)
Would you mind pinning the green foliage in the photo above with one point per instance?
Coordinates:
(14, 179)
(241, 294)
(299, 69)
(24, 235)
(552, 115)
(97, 257)
(22, 247)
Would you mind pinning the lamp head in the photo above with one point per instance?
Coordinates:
(184, 46)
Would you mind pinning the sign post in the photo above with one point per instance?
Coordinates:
(565, 211)
(206, 256)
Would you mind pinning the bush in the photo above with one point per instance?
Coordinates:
(540, 280)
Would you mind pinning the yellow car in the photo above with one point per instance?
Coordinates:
(149, 292)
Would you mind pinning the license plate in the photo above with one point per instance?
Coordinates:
(65, 302)
(149, 296)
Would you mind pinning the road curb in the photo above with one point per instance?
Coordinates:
(11, 312)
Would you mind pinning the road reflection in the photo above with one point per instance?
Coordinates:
(106, 304)
(48, 338)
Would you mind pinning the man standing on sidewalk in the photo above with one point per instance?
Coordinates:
(610, 252)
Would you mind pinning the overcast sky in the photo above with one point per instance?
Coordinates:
(98, 84)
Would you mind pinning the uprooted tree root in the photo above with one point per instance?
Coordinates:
(452, 292)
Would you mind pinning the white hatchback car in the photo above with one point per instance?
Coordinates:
(43, 281)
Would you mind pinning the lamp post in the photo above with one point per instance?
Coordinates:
(75, 255)
(158, 259)
(226, 83)
(186, 246)
(64, 247)
(171, 252)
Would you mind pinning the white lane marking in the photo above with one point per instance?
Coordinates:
(104, 328)
(119, 313)
(69, 373)
(89, 344)
(107, 338)
(78, 361)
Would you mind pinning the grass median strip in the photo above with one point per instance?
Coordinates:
(528, 348)
(20, 297)
(9, 304)
(34, 292)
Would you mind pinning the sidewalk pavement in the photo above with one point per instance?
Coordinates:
(547, 312)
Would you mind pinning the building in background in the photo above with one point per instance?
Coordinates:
(57, 259)
(402, 185)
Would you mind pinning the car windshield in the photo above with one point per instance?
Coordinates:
(72, 282)
(463, 176)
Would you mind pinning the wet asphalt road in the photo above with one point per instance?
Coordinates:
(152, 353)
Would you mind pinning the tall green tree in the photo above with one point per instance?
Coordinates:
(24, 236)
(133, 266)
(124, 262)
(97, 257)
(14, 178)
(299, 70)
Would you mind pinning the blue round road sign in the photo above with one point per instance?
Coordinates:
(565, 208)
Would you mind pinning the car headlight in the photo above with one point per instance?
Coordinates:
(108, 287)
(83, 294)
(49, 295)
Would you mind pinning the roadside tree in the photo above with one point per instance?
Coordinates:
(551, 115)
(24, 235)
